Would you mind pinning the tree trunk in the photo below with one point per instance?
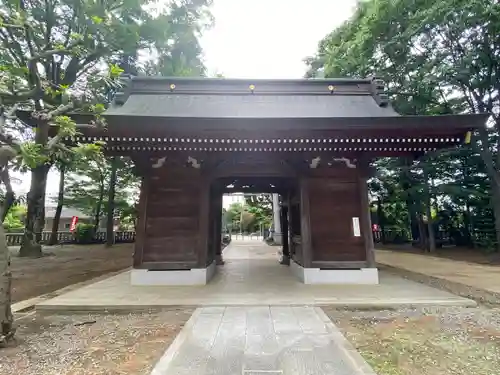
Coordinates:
(422, 233)
(413, 212)
(35, 213)
(110, 238)
(10, 198)
(469, 225)
(428, 211)
(381, 219)
(491, 162)
(6, 318)
(60, 201)
(496, 211)
(97, 217)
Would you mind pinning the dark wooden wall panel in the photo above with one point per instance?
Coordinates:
(334, 201)
(172, 221)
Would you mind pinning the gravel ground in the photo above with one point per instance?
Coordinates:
(104, 344)
(432, 340)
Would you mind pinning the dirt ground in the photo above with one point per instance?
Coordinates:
(454, 253)
(65, 265)
(91, 344)
(437, 341)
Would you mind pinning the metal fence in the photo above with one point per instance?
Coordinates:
(246, 237)
(15, 239)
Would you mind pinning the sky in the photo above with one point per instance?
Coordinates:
(256, 39)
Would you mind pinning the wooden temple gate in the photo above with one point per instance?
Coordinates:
(311, 141)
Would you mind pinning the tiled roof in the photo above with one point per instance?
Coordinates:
(237, 98)
(67, 212)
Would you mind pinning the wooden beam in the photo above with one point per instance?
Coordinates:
(299, 156)
(305, 223)
(235, 126)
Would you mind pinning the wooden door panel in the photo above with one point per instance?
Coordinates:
(333, 204)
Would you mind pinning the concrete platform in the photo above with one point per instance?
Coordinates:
(261, 340)
(251, 276)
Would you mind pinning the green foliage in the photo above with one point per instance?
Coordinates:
(249, 217)
(14, 221)
(63, 55)
(84, 233)
(436, 57)
(261, 207)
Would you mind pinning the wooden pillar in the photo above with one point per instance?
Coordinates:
(140, 233)
(365, 215)
(284, 231)
(110, 233)
(218, 228)
(305, 223)
(212, 229)
(204, 227)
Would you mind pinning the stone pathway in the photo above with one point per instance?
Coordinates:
(251, 276)
(475, 275)
(260, 340)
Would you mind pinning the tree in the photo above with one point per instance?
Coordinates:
(55, 50)
(58, 57)
(87, 186)
(261, 207)
(436, 58)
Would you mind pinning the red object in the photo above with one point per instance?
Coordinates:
(74, 220)
(375, 227)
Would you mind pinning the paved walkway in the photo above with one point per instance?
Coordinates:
(251, 276)
(261, 340)
(476, 275)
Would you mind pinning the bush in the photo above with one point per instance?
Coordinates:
(84, 233)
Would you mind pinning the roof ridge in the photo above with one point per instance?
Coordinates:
(144, 85)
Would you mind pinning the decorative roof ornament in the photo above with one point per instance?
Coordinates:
(315, 162)
(252, 88)
(159, 163)
(172, 87)
(378, 92)
(124, 90)
(193, 162)
(331, 88)
(348, 163)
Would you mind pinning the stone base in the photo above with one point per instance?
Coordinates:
(219, 261)
(277, 238)
(194, 276)
(285, 260)
(339, 276)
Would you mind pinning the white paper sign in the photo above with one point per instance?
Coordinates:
(355, 227)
